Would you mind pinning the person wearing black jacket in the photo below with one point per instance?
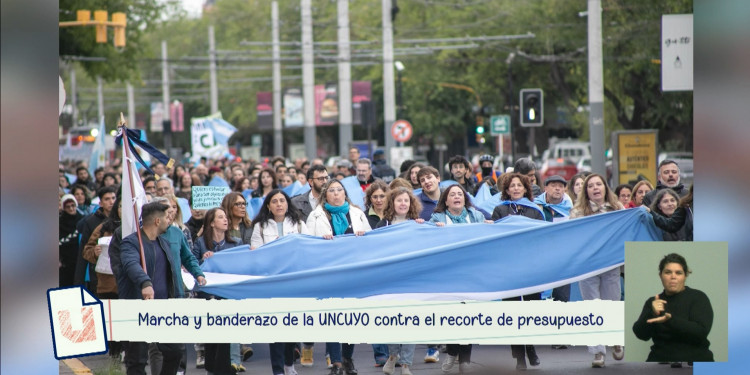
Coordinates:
(678, 319)
(669, 177)
(68, 239)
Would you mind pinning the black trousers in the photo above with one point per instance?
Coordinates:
(136, 357)
(462, 351)
(521, 351)
(218, 360)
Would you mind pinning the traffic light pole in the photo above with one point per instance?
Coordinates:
(596, 88)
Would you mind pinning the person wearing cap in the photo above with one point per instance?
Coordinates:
(486, 173)
(380, 169)
(68, 239)
(556, 207)
(554, 202)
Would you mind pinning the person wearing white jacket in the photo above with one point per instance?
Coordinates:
(278, 218)
(336, 215)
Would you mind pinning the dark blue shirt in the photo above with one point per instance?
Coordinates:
(428, 206)
(161, 272)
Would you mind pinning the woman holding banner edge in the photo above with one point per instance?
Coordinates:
(336, 215)
(596, 198)
(517, 200)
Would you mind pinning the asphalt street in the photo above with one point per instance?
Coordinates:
(486, 359)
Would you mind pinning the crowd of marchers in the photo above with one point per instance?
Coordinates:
(90, 228)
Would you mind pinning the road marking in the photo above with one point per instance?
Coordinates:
(77, 366)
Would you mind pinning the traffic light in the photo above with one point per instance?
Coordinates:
(100, 16)
(120, 20)
(532, 107)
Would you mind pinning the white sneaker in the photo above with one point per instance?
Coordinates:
(405, 370)
(449, 362)
(598, 360)
(618, 353)
(465, 368)
(289, 370)
(390, 365)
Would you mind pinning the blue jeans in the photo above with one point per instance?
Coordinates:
(282, 354)
(337, 351)
(380, 351)
(404, 351)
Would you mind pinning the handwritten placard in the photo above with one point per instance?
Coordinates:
(207, 197)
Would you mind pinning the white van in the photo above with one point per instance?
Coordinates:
(568, 149)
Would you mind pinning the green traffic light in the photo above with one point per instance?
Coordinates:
(480, 129)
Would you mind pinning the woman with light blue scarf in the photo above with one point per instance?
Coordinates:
(336, 215)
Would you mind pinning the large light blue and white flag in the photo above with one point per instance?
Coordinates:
(98, 152)
(210, 136)
(515, 256)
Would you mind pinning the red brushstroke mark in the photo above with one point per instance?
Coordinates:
(88, 333)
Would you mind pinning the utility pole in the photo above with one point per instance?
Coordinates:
(131, 106)
(278, 136)
(389, 99)
(74, 95)
(596, 87)
(308, 80)
(345, 78)
(167, 130)
(214, 90)
(99, 98)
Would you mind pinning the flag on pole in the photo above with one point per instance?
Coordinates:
(134, 198)
(98, 153)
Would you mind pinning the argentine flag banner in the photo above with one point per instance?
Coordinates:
(512, 257)
(407, 283)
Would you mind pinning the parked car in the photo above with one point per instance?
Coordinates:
(563, 167)
(569, 149)
(584, 165)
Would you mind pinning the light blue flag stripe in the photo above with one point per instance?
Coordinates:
(492, 260)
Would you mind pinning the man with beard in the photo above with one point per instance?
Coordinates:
(317, 176)
(669, 178)
(461, 172)
(364, 173)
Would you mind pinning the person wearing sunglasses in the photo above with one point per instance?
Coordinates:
(240, 226)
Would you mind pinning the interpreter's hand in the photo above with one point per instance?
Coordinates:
(208, 254)
(489, 222)
(419, 220)
(440, 224)
(328, 236)
(148, 292)
(661, 319)
(201, 280)
(359, 233)
(657, 306)
(97, 250)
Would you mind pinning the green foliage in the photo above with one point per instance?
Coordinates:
(555, 59)
(122, 64)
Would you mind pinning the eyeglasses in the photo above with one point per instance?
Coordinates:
(69, 205)
(322, 179)
(382, 196)
(240, 204)
(336, 190)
